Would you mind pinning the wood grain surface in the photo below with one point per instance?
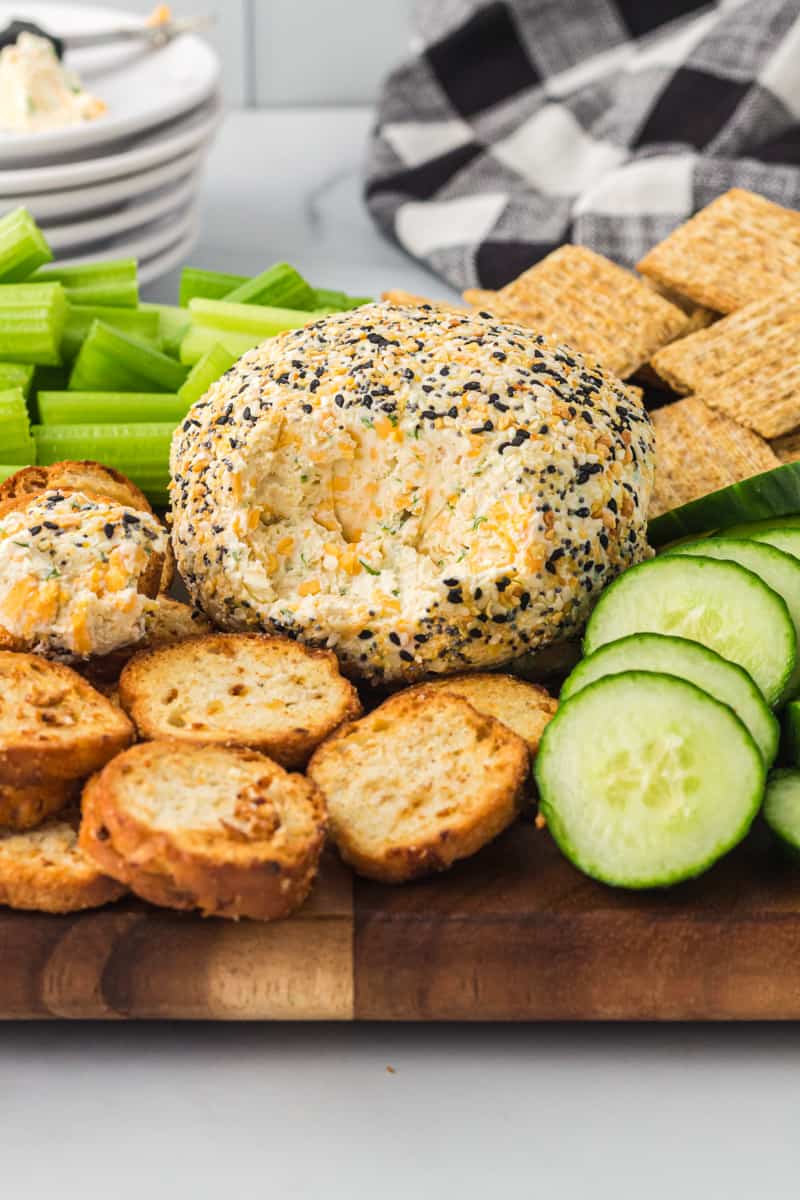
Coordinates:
(514, 934)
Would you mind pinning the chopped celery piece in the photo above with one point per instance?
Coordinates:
(140, 451)
(207, 370)
(111, 361)
(16, 444)
(9, 469)
(102, 408)
(174, 323)
(332, 301)
(213, 285)
(200, 339)
(143, 325)
(13, 375)
(32, 318)
(280, 286)
(261, 319)
(111, 283)
(23, 246)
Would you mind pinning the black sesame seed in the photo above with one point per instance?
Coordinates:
(406, 657)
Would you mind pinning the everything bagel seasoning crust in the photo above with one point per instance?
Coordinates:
(419, 491)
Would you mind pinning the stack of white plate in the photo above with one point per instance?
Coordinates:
(124, 185)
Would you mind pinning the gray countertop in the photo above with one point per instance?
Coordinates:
(202, 1111)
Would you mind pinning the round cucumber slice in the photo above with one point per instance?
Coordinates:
(782, 807)
(645, 780)
(723, 680)
(791, 732)
(779, 570)
(717, 603)
(785, 538)
(774, 493)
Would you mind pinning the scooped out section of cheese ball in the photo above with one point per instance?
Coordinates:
(76, 573)
(420, 491)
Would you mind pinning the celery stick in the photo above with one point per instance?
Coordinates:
(103, 408)
(280, 286)
(111, 361)
(201, 339)
(140, 451)
(14, 375)
(175, 323)
(145, 326)
(111, 283)
(211, 284)
(16, 444)
(247, 318)
(23, 246)
(32, 318)
(333, 301)
(211, 367)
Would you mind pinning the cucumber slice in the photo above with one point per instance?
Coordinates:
(645, 780)
(723, 680)
(717, 603)
(784, 537)
(775, 493)
(791, 732)
(782, 807)
(779, 571)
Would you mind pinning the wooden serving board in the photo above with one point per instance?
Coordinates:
(513, 934)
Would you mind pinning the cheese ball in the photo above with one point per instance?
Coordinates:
(420, 491)
(75, 574)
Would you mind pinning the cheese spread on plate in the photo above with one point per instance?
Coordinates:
(37, 92)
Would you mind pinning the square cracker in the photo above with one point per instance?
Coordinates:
(405, 299)
(699, 450)
(739, 248)
(581, 298)
(746, 365)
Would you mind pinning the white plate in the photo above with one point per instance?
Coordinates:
(139, 244)
(50, 208)
(75, 234)
(160, 146)
(153, 268)
(142, 88)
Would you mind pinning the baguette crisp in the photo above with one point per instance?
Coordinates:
(524, 707)
(53, 725)
(44, 870)
(421, 781)
(26, 807)
(268, 693)
(223, 830)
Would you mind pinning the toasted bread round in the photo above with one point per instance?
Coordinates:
(524, 707)
(53, 724)
(423, 780)
(93, 480)
(165, 622)
(268, 693)
(215, 828)
(90, 478)
(44, 870)
(27, 807)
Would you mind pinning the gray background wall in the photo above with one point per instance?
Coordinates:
(301, 52)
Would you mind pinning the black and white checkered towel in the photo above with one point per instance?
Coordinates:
(522, 124)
